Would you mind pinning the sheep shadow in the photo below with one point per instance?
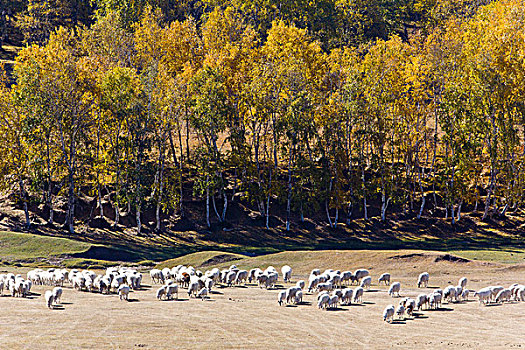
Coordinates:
(35, 294)
(31, 297)
(417, 315)
(304, 303)
(178, 299)
(368, 303)
(441, 309)
(57, 307)
(354, 304)
(215, 292)
(494, 304)
(131, 300)
(290, 305)
(398, 322)
(240, 286)
(335, 309)
(66, 303)
(373, 290)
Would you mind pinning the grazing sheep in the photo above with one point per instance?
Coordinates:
(421, 300)
(400, 312)
(346, 277)
(325, 286)
(312, 283)
(464, 294)
(360, 274)
(161, 292)
(335, 279)
(358, 295)
(242, 276)
(287, 273)
(203, 293)
(410, 305)
(434, 300)
(333, 301)
(463, 282)
(385, 278)
(366, 282)
(423, 279)
(394, 288)
(315, 272)
(300, 284)
(123, 292)
(346, 298)
(388, 313)
(450, 293)
(49, 298)
(503, 295)
(290, 294)
(484, 295)
(172, 289)
(494, 291)
(299, 297)
(323, 300)
(193, 288)
(156, 276)
(57, 294)
(230, 278)
(209, 283)
(280, 297)
(253, 274)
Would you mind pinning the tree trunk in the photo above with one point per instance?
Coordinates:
(208, 201)
(289, 197)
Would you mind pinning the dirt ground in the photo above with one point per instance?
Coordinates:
(249, 317)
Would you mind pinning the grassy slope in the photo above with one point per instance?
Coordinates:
(26, 246)
(304, 261)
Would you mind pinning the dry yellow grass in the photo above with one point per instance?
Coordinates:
(242, 318)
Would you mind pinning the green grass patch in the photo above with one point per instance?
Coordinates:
(14, 245)
(506, 256)
(79, 263)
(201, 258)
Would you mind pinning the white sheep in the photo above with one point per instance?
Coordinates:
(161, 292)
(495, 290)
(156, 276)
(346, 297)
(49, 298)
(421, 300)
(358, 295)
(450, 293)
(484, 295)
(360, 274)
(410, 305)
(300, 284)
(203, 293)
(388, 313)
(172, 289)
(57, 294)
(423, 279)
(463, 282)
(281, 297)
(333, 301)
(290, 294)
(434, 300)
(366, 282)
(400, 312)
(385, 278)
(287, 273)
(123, 292)
(193, 288)
(323, 301)
(299, 297)
(241, 276)
(313, 281)
(325, 286)
(346, 277)
(503, 295)
(394, 288)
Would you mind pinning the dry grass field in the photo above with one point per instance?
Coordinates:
(249, 317)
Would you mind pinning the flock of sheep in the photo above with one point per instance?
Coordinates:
(332, 287)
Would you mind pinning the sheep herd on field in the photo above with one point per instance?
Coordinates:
(332, 286)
